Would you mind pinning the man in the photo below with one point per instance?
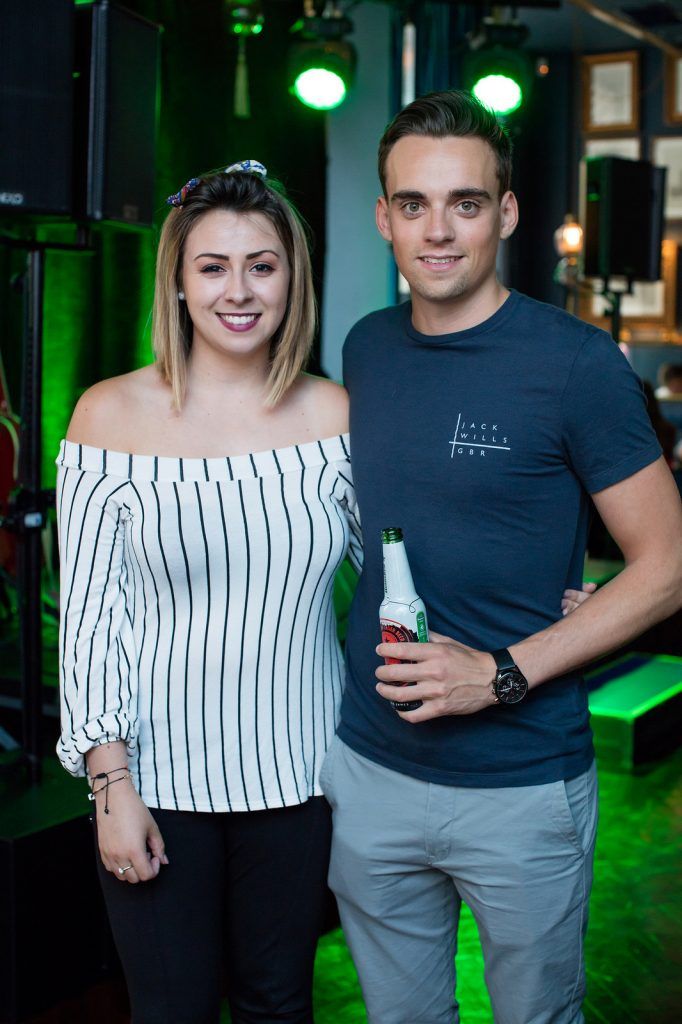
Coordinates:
(481, 421)
(670, 380)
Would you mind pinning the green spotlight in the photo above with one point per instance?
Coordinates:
(501, 93)
(246, 17)
(321, 61)
(496, 68)
(320, 89)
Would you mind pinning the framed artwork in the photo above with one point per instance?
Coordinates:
(666, 151)
(610, 83)
(630, 147)
(651, 307)
(673, 90)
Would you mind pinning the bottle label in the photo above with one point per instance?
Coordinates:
(422, 631)
(393, 632)
(396, 633)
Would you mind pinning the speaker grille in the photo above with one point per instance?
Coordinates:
(36, 101)
(623, 218)
(122, 115)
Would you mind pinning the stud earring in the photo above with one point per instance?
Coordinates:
(181, 296)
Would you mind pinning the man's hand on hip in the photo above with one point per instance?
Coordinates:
(450, 678)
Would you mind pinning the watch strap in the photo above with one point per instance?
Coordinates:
(504, 661)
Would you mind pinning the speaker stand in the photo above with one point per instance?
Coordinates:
(614, 298)
(29, 505)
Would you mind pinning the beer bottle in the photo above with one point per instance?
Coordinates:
(402, 613)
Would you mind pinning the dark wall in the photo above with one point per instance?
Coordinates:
(542, 132)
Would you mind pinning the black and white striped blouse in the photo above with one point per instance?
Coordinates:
(197, 618)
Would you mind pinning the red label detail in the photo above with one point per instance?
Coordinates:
(396, 633)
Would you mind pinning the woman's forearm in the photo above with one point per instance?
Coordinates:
(107, 757)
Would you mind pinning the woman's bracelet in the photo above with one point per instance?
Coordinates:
(105, 775)
(105, 785)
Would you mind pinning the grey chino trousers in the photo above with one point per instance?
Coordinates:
(405, 853)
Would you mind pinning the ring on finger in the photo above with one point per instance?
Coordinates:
(123, 870)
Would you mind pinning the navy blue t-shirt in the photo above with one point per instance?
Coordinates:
(483, 446)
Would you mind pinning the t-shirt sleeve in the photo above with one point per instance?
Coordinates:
(606, 430)
(97, 664)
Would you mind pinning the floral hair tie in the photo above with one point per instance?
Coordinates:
(250, 166)
(245, 166)
(178, 198)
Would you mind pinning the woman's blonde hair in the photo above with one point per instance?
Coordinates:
(240, 192)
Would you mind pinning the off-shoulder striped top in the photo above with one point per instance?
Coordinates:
(197, 618)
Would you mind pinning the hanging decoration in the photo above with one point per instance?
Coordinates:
(246, 19)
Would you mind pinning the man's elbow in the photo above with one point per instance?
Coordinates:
(657, 576)
(671, 589)
(665, 575)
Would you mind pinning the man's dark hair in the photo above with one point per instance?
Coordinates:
(452, 113)
(669, 372)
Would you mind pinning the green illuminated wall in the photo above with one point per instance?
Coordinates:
(96, 319)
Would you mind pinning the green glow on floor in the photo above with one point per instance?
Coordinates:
(633, 940)
(636, 692)
(338, 999)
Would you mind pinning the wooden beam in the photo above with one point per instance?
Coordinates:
(616, 21)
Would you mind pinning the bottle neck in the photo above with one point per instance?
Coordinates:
(398, 583)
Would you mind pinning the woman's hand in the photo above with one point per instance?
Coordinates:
(130, 843)
(128, 836)
(572, 599)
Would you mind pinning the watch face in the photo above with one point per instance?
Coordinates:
(510, 687)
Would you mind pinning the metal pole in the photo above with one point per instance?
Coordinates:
(615, 316)
(31, 519)
(408, 87)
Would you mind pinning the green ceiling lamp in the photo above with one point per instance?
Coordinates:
(496, 68)
(321, 61)
(246, 19)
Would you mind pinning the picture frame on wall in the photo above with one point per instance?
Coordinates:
(645, 307)
(610, 84)
(628, 147)
(673, 90)
(666, 151)
(651, 308)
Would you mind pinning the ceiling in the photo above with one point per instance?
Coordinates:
(570, 29)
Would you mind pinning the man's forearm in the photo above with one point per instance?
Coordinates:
(454, 679)
(642, 594)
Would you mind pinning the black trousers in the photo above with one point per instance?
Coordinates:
(244, 896)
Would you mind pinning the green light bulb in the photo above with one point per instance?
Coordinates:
(499, 92)
(320, 89)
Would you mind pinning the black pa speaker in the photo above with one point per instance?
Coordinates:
(622, 204)
(117, 72)
(36, 105)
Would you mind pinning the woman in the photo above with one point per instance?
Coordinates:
(205, 504)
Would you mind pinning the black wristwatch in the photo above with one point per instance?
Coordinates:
(509, 685)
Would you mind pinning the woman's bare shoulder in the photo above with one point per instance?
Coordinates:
(326, 403)
(112, 413)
